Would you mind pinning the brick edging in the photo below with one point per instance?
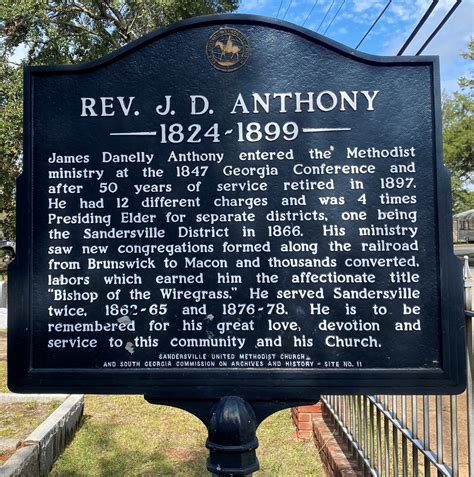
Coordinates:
(337, 460)
(314, 422)
(302, 417)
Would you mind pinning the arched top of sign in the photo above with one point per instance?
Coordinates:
(231, 202)
(231, 22)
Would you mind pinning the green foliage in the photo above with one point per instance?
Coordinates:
(10, 142)
(463, 199)
(69, 31)
(468, 55)
(458, 134)
(458, 138)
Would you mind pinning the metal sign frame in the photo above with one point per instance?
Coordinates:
(250, 384)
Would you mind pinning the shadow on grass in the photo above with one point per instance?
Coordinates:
(103, 450)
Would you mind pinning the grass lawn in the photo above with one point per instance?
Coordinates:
(3, 377)
(126, 436)
(461, 256)
(3, 361)
(19, 420)
(471, 258)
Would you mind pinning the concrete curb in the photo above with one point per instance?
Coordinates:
(46, 442)
(23, 463)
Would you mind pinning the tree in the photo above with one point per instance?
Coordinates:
(69, 31)
(10, 142)
(458, 138)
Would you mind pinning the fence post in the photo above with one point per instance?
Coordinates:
(469, 307)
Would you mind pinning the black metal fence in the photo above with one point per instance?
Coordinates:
(413, 435)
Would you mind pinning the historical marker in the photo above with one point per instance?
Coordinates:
(234, 206)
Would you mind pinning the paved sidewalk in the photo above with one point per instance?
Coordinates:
(463, 249)
(3, 318)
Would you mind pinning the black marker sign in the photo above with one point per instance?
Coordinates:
(235, 206)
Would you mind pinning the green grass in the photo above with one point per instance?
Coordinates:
(470, 255)
(125, 436)
(3, 361)
(3, 377)
(19, 420)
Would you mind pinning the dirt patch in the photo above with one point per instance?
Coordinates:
(4, 456)
(8, 448)
(184, 454)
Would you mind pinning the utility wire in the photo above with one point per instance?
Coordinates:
(328, 10)
(418, 26)
(438, 28)
(373, 24)
(279, 8)
(287, 8)
(310, 12)
(334, 17)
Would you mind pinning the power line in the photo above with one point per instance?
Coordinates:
(329, 9)
(334, 17)
(287, 8)
(418, 26)
(311, 11)
(373, 24)
(279, 8)
(438, 28)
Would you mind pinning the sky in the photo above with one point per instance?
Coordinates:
(347, 21)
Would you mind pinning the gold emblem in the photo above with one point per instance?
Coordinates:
(227, 49)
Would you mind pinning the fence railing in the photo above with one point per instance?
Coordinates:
(412, 435)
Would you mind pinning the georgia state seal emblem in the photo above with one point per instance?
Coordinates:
(227, 49)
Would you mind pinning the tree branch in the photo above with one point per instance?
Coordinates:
(83, 28)
(119, 24)
(131, 33)
(104, 33)
(82, 8)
